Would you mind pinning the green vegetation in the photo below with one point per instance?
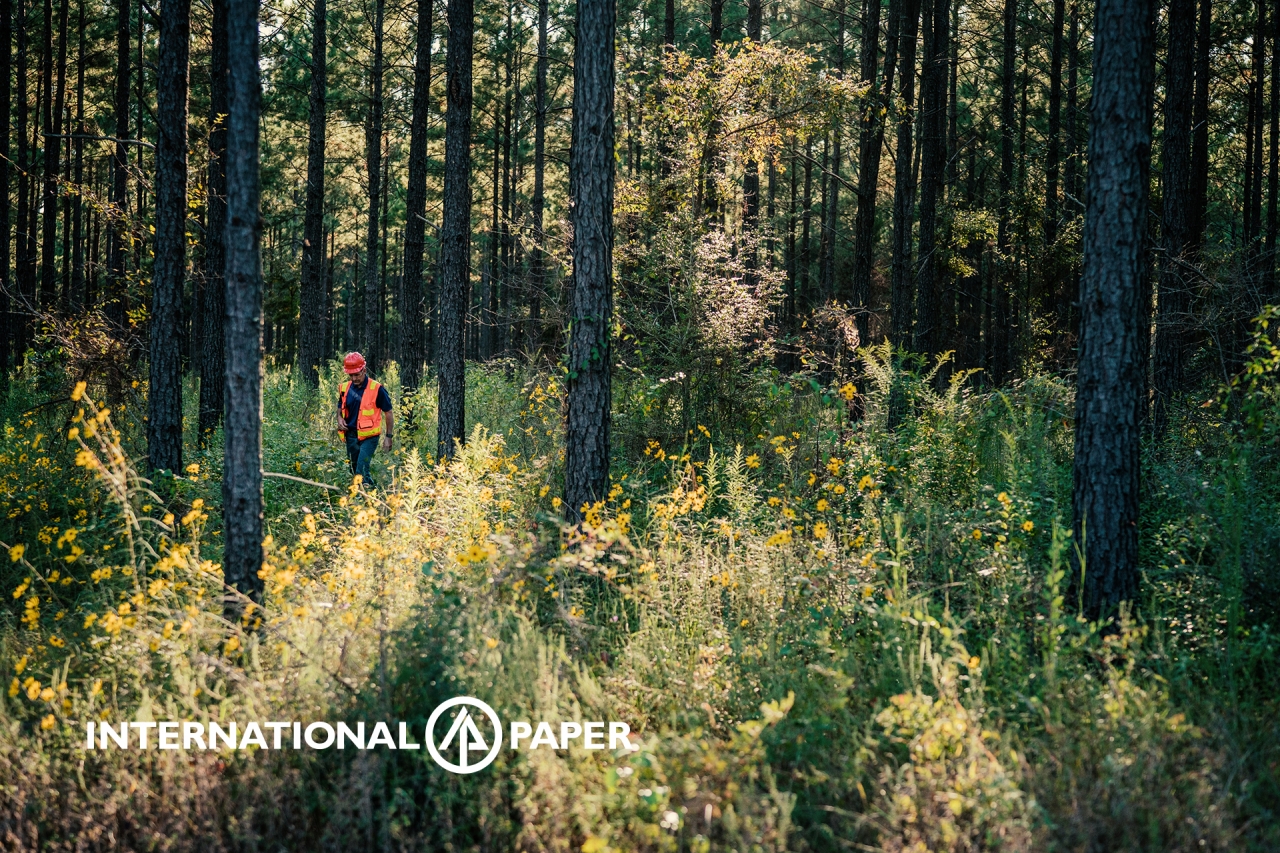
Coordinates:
(826, 635)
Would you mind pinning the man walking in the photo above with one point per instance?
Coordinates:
(360, 399)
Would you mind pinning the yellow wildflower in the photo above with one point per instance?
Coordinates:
(78, 392)
(820, 530)
(48, 722)
(822, 505)
(16, 552)
(753, 461)
(1028, 526)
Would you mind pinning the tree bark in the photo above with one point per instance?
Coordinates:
(372, 345)
(311, 297)
(242, 479)
(455, 229)
(901, 290)
(1112, 338)
(591, 182)
(751, 172)
(118, 300)
(933, 165)
(1174, 283)
(416, 205)
(52, 106)
(213, 295)
(164, 399)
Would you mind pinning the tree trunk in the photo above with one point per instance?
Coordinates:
(901, 290)
(831, 209)
(1053, 162)
(79, 299)
(1273, 172)
(751, 172)
(242, 477)
(1199, 198)
(870, 146)
(6, 102)
(372, 344)
(118, 300)
(164, 400)
(213, 353)
(1112, 338)
(1002, 345)
(805, 260)
(416, 205)
(591, 313)
(1174, 283)
(311, 324)
(933, 165)
(455, 228)
(537, 257)
(52, 106)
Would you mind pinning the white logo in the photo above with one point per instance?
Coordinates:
(466, 733)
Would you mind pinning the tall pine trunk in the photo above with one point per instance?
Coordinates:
(455, 228)
(1200, 130)
(164, 400)
(831, 215)
(1001, 349)
(1174, 283)
(213, 294)
(6, 103)
(1112, 339)
(933, 166)
(372, 345)
(904, 192)
(870, 147)
(79, 296)
(537, 257)
(242, 477)
(117, 302)
(416, 205)
(311, 309)
(591, 183)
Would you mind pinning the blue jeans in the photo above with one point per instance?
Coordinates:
(360, 453)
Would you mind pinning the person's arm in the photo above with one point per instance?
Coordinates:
(338, 419)
(388, 421)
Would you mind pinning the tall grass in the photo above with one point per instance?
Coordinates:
(827, 634)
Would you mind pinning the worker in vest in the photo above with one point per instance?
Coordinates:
(364, 413)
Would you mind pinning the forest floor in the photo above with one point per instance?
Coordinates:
(826, 635)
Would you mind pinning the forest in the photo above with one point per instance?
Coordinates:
(873, 403)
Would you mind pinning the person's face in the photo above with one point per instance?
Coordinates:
(359, 378)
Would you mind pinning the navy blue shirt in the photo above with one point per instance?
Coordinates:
(354, 396)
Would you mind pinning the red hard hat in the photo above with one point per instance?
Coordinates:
(353, 363)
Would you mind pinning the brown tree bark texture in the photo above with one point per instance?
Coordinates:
(164, 399)
(455, 228)
(242, 478)
(1110, 379)
(591, 181)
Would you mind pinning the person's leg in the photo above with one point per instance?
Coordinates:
(353, 452)
(365, 460)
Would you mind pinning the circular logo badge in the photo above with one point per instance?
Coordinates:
(464, 731)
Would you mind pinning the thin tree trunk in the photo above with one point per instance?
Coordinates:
(118, 300)
(751, 172)
(1002, 345)
(870, 146)
(7, 329)
(1053, 164)
(79, 300)
(933, 165)
(1173, 284)
(164, 400)
(805, 260)
(416, 204)
(831, 209)
(901, 284)
(373, 166)
(455, 230)
(213, 353)
(537, 258)
(1112, 339)
(1200, 131)
(242, 478)
(311, 297)
(591, 313)
(54, 93)
(1273, 172)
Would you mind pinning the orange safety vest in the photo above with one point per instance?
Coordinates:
(369, 423)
